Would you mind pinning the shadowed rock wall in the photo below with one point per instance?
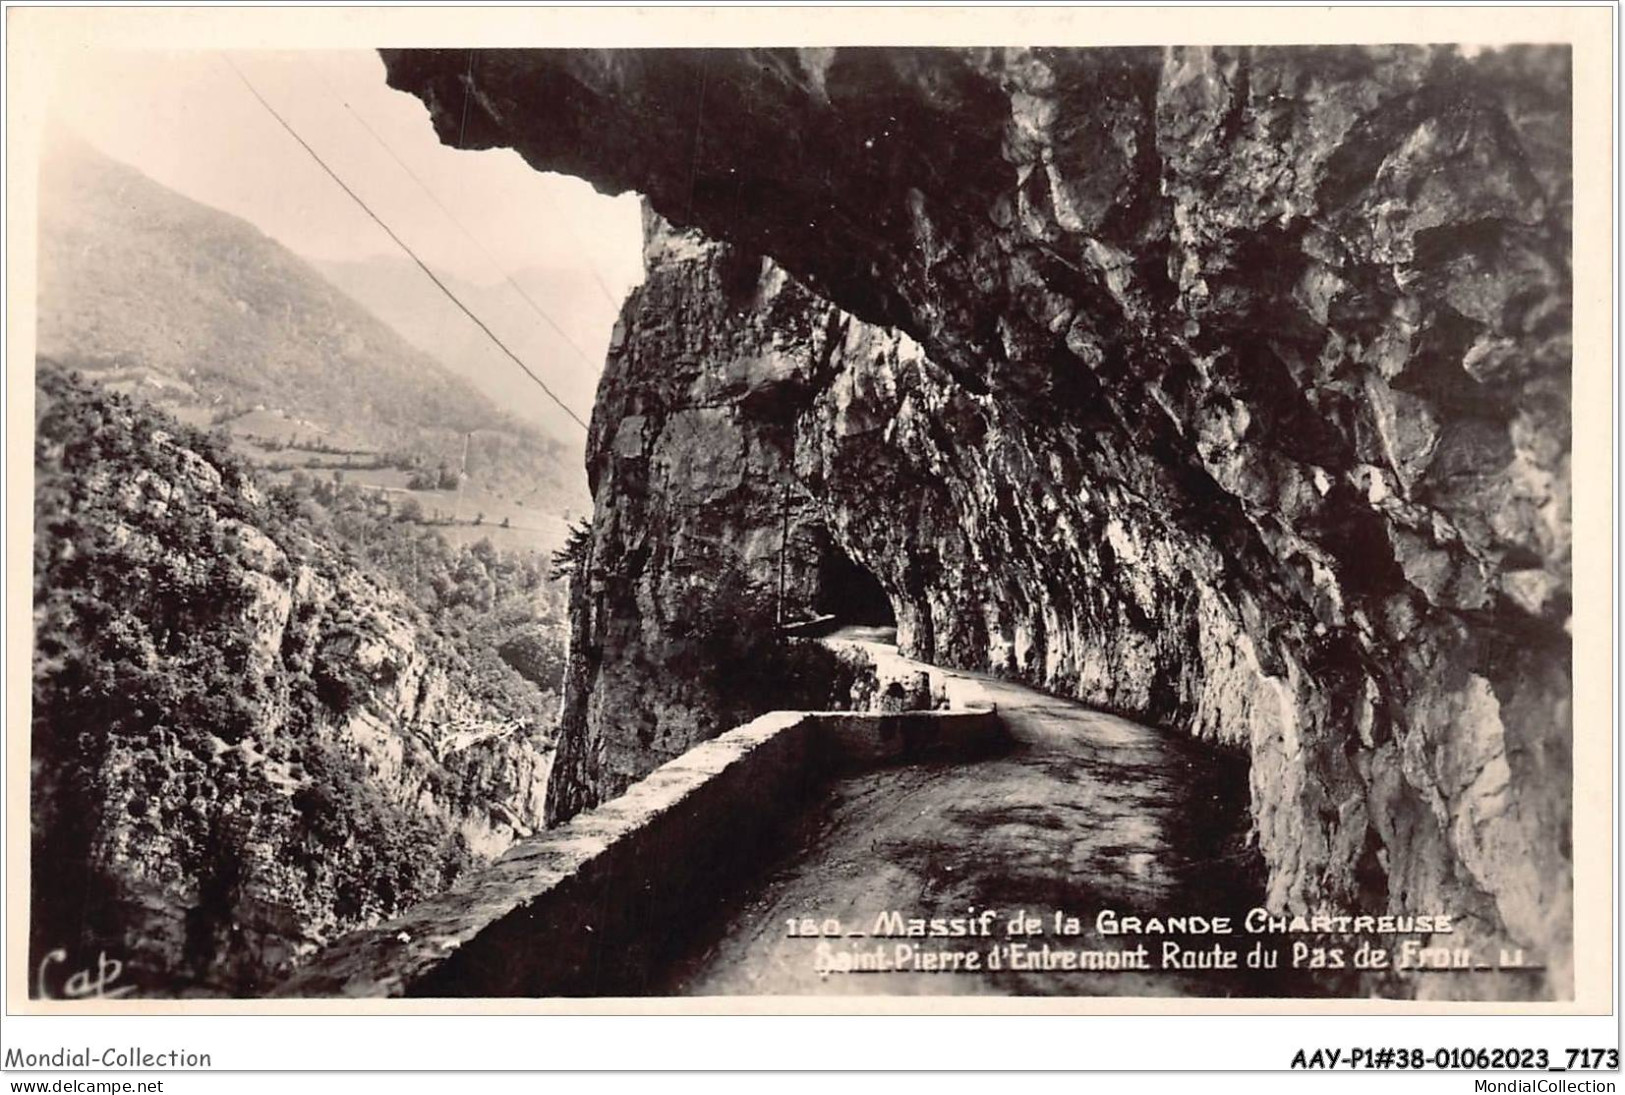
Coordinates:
(1228, 388)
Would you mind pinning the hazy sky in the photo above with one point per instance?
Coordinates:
(186, 120)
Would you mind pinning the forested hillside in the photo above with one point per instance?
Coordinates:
(149, 291)
(260, 715)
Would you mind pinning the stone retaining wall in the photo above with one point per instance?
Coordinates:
(593, 907)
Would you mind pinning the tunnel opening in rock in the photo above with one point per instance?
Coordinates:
(851, 593)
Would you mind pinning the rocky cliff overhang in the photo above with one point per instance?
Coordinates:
(939, 191)
(1244, 404)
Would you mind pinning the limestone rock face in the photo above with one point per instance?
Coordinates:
(1226, 388)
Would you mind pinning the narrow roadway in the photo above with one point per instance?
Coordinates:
(1084, 812)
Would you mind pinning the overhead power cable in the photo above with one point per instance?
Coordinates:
(496, 264)
(430, 274)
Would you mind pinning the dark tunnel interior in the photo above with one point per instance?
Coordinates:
(850, 593)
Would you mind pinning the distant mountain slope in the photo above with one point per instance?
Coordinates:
(140, 285)
(396, 291)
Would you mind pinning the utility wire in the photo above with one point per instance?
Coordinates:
(430, 274)
(468, 93)
(535, 306)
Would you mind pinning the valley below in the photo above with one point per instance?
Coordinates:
(299, 644)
